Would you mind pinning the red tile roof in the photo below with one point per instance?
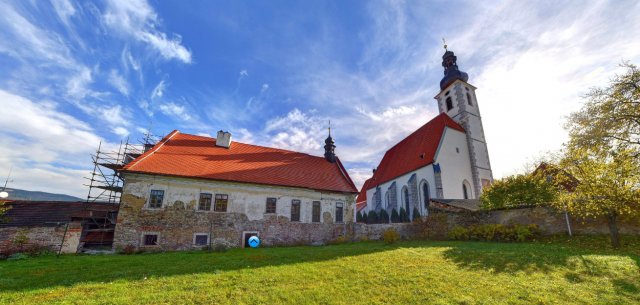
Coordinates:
(415, 151)
(186, 155)
(361, 200)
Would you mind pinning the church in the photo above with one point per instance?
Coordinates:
(446, 158)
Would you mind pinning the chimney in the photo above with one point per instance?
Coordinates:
(148, 146)
(223, 139)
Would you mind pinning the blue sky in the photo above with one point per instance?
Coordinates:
(74, 73)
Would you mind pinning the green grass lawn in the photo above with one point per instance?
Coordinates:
(580, 271)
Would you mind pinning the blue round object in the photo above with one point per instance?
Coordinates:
(254, 241)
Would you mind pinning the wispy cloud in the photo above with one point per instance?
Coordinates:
(172, 109)
(136, 18)
(118, 82)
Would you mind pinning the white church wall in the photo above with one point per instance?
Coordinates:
(455, 165)
(423, 173)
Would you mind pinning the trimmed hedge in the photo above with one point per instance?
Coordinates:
(495, 232)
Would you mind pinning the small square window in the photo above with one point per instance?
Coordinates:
(457, 150)
(221, 203)
(201, 239)
(205, 202)
(155, 200)
(150, 239)
(271, 205)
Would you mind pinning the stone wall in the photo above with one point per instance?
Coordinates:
(44, 236)
(547, 219)
(437, 225)
(178, 220)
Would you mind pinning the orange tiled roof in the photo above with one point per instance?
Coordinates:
(415, 151)
(186, 155)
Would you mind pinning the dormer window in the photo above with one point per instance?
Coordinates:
(449, 103)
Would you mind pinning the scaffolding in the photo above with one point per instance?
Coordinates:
(105, 181)
(105, 189)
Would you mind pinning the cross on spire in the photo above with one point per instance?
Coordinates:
(444, 42)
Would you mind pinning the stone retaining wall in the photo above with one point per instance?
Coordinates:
(44, 236)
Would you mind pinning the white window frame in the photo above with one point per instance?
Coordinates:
(201, 233)
(142, 235)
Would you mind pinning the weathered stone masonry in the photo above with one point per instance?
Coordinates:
(178, 220)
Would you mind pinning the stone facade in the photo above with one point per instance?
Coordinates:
(43, 236)
(179, 219)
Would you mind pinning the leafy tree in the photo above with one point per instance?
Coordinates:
(603, 153)
(611, 116)
(518, 190)
(395, 217)
(384, 216)
(608, 185)
(416, 214)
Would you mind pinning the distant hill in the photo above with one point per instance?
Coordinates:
(16, 194)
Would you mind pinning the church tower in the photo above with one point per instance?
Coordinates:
(457, 99)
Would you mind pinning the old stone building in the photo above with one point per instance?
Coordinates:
(445, 158)
(189, 190)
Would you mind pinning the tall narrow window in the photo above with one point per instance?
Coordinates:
(464, 191)
(469, 99)
(221, 203)
(315, 212)
(449, 103)
(425, 194)
(271, 205)
(405, 194)
(205, 202)
(155, 200)
(295, 210)
(339, 209)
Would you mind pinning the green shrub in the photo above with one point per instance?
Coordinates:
(403, 215)
(373, 217)
(459, 233)
(359, 217)
(220, 245)
(416, 214)
(395, 217)
(365, 219)
(384, 216)
(494, 232)
(390, 236)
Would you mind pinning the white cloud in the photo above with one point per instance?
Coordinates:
(359, 175)
(158, 90)
(264, 88)
(118, 82)
(296, 131)
(121, 131)
(48, 149)
(114, 115)
(136, 18)
(172, 109)
(64, 9)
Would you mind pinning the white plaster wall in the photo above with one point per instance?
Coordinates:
(249, 199)
(455, 166)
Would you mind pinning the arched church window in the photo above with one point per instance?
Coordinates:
(466, 189)
(426, 197)
(469, 99)
(387, 200)
(405, 196)
(449, 103)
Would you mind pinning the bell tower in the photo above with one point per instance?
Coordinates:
(457, 98)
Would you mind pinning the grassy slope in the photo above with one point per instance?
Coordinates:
(409, 272)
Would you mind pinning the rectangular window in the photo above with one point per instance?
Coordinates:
(221, 203)
(155, 200)
(295, 210)
(315, 212)
(339, 208)
(449, 103)
(271, 205)
(201, 239)
(205, 202)
(150, 239)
